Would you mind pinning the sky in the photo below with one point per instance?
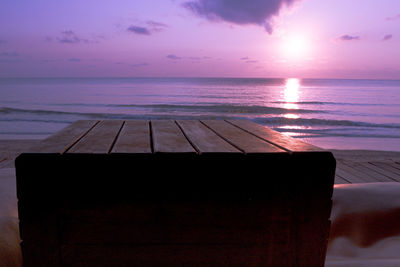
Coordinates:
(200, 38)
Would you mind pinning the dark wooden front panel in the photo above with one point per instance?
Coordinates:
(175, 209)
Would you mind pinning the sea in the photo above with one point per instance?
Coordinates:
(330, 113)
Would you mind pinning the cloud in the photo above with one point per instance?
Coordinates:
(51, 60)
(70, 37)
(139, 30)
(156, 26)
(149, 28)
(192, 59)
(74, 60)
(387, 37)
(248, 60)
(9, 54)
(347, 37)
(242, 12)
(144, 64)
(9, 57)
(395, 17)
(173, 57)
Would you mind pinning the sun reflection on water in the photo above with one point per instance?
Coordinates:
(291, 96)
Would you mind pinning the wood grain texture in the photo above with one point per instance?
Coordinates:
(395, 165)
(98, 140)
(349, 176)
(388, 167)
(205, 140)
(350, 168)
(246, 142)
(274, 137)
(364, 169)
(133, 138)
(64, 139)
(383, 171)
(340, 180)
(168, 138)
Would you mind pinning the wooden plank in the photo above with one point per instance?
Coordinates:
(99, 140)
(283, 141)
(364, 167)
(2, 159)
(205, 140)
(8, 163)
(133, 138)
(360, 172)
(394, 165)
(340, 180)
(359, 175)
(387, 167)
(394, 173)
(64, 139)
(168, 138)
(381, 171)
(241, 139)
(348, 176)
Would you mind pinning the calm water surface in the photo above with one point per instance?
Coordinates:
(342, 114)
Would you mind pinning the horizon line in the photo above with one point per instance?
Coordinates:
(191, 77)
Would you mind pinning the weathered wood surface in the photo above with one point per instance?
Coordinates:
(195, 192)
(240, 139)
(282, 141)
(64, 139)
(133, 138)
(168, 138)
(98, 140)
(204, 139)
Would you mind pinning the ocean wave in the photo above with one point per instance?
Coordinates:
(322, 122)
(7, 110)
(220, 108)
(332, 103)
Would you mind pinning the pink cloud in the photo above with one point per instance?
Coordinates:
(258, 12)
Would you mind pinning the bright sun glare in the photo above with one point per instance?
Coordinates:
(292, 90)
(296, 47)
(291, 96)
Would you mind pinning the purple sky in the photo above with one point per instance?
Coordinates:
(224, 38)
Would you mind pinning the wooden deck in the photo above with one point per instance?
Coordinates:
(352, 166)
(367, 167)
(173, 193)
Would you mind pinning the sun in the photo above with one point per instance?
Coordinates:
(296, 47)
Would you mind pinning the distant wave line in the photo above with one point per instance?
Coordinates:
(321, 122)
(223, 108)
(324, 133)
(332, 103)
